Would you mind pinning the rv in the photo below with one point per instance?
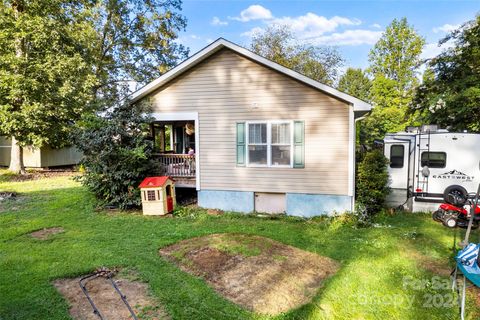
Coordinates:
(427, 163)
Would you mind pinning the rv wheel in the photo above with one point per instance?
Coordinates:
(455, 190)
(450, 222)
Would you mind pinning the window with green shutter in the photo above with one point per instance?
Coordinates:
(276, 143)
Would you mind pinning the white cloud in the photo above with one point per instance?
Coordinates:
(209, 40)
(217, 22)
(312, 25)
(376, 25)
(432, 50)
(446, 28)
(348, 38)
(194, 36)
(254, 12)
(252, 32)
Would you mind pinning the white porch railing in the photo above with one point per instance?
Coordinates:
(177, 165)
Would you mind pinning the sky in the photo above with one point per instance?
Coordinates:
(351, 26)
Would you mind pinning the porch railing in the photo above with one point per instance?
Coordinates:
(177, 165)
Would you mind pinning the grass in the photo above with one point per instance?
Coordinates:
(387, 272)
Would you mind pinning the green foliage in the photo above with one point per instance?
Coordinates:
(62, 59)
(394, 62)
(45, 82)
(372, 184)
(356, 83)
(396, 56)
(278, 43)
(450, 93)
(381, 121)
(134, 42)
(116, 154)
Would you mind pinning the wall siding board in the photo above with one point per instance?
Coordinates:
(223, 89)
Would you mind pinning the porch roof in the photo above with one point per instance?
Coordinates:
(358, 105)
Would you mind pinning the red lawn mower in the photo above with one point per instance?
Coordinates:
(455, 212)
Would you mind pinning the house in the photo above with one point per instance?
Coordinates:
(45, 157)
(252, 135)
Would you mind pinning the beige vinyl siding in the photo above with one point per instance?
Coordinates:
(223, 89)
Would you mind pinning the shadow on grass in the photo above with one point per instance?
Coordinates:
(373, 264)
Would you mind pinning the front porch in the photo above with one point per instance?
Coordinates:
(181, 167)
(175, 149)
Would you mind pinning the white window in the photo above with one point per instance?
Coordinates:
(269, 144)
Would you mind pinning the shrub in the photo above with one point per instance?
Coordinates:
(372, 185)
(116, 154)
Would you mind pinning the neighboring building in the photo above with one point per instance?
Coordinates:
(40, 158)
(261, 137)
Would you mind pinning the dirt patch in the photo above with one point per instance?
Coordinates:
(214, 212)
(108, 301)
(45, 233)
(432, 265)
(260, 274)
(36, 175)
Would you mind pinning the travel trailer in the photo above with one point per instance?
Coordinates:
(426, 163)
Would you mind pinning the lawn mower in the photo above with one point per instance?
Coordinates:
(455, 212)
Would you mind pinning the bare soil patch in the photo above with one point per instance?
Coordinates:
(257, 273)
(432, 265)
(45, 233)
(36, 175)
(108, 301)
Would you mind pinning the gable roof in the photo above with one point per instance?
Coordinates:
(358, 105)
(154, 182)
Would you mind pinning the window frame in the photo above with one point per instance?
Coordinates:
(440, 152)
(269, 163)
(403, 155)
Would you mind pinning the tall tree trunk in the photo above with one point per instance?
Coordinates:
(16, 155)
(16, 158)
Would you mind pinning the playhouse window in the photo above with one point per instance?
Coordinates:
(397, 153)
(151, 195)
(269, 143)
(434, 159)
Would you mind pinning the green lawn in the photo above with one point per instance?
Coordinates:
(387, 272)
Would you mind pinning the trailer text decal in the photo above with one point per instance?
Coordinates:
(454, 174)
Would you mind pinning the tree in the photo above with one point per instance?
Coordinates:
(116, 154)
(372, 183)
(44, 81)
(59, 60)
(356, 83)
(450, 92)
(134, 43)
(278, 43)
(396, 57)
(394, 63)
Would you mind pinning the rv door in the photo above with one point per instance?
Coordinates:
(397, 152)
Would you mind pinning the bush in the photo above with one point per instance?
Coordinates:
(116, 154)
(372, 185)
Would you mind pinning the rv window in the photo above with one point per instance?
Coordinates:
(434, 159)
(396, 156)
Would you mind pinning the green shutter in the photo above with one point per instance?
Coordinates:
(299, 144)
(241, 145)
